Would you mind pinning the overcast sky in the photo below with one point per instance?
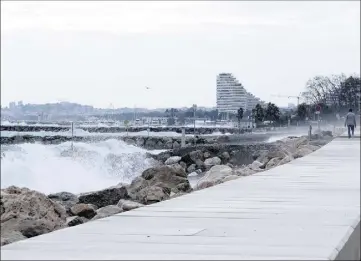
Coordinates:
(103, 53)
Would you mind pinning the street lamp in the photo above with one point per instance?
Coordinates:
(194, 118)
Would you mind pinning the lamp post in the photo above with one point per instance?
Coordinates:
(194, 119)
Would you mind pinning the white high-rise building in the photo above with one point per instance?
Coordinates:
(252, 101)
(231, 95)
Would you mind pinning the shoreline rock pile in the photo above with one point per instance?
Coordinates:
(26, 213)
(188, 130)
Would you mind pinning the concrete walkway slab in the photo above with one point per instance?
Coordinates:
(306, 209)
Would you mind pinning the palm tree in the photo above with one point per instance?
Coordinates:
(258, 113)
(239, 117)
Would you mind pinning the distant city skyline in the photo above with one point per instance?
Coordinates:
(106, 52)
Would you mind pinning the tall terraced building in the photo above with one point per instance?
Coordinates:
(231, 95)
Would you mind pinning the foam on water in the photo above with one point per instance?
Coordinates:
(56, 168)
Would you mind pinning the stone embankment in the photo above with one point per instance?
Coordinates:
(150, 143)
(188, 130)
(26, 213)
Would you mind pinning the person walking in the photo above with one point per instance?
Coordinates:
(350, 122)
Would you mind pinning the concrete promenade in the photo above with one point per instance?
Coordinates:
(356, 133)
(308, 209)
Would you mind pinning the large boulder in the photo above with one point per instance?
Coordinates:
(127, 205)
(191, 168)
(153, 194)
(202, 184)
(262, 156)
(244, 171)
(139, 142)
(256, 165)
(196, 155)
(206, 155)
(66, 199)
(225, 156)
(107, 211)
(273, 163)
(301, 152)
(136, 186)
(214, 175)
(212, 162)
(150, 144)
(156, 184)
(229, 178)
(9, 237)
(169, 177)
(168, 145)
(130, 141)
(310, 147)
(285, 160)
(172, 160)
(183, 165)
(105, 197)
(29, 213)
(83, 210)
(319, 143)
(75, 220)
(200, 165)
(176, 145)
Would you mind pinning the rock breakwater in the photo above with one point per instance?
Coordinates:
(26, 213)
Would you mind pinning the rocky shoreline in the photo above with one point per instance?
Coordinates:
(188, 130)
(151, 142)
(26, 213)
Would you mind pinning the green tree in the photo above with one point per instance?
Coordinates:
(258, 113)
(350, 92)
(302, 111)
(272, 112)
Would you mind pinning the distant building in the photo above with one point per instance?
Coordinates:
(12, 105)
(252, 101)
(291, 106)
(231, 95)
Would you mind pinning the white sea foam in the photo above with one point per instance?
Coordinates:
(55, 168)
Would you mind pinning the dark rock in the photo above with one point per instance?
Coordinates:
(196, 155)
(191, 168)
(150, 195)
(74, 221)
(83, 210)
(206, 155)
(31, 228)
(66, 199)
(183, 165)
(176, 145)
(165, 177)
(159, 182)
(200, 165)
(106, 197)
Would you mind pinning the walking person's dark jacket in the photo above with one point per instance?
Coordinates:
(350, 119)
